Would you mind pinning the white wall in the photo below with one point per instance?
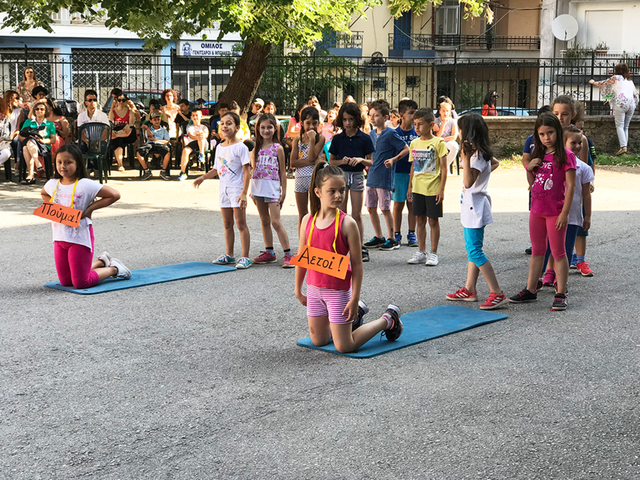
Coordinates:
(613, 22)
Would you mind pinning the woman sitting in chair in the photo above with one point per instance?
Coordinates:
(124, 131)
(36, 137)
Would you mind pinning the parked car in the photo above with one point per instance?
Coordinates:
(503, 111)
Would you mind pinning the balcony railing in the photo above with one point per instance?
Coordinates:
(341, 40)
(400, 41)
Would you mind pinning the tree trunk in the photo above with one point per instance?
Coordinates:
(247, 74)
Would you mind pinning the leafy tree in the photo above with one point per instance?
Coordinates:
(261, 23)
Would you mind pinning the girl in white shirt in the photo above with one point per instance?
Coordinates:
(73, 247)
(475, 211)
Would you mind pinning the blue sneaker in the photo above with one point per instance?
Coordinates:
(224, 260)
(412, 240)
(398, 237)
(375, 242)
(243, 263)
(201, 157)
(182, 177)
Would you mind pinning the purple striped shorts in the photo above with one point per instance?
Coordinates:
(323, 302)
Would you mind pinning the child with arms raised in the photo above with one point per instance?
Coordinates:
(475, 212)
(73, 247)
(352, 150)
(305, 153)
(232, 164)
(269, 187)
(389, 148)
(334, 310)
(552, 174)
(428, 157)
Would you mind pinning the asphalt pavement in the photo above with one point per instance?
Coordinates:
(202, 378)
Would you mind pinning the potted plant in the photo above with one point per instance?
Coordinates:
(601, 48)
(575, 56)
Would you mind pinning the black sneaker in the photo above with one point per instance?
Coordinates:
(390, 244)
(525, 296)
(147, 175)
(527, 251)
(365, 255)
(395, 331)
(362, 311)
(559, 302)
(164, 175)
(375, 242)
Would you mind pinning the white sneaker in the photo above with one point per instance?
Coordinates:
(105, 258)
(418, 257)
(243, 263)
(121, 169)
(123, 272)
(432, 260)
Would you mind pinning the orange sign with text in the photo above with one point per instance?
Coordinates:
(59, 214)
(322, 261)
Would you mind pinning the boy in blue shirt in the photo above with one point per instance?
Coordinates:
(389, 148)
(157, 144)
(406, 109)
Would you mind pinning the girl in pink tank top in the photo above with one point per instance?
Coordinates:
(334, 309)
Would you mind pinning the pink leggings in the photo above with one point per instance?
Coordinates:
(542, 227)
(73, 264)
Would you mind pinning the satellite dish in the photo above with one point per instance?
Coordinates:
(564, 27)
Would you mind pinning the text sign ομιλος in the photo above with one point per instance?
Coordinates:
(59, 214)
(322, 261)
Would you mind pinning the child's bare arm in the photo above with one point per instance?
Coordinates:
(351, 232)
(443, 179)
(586, 203)
(301, 272)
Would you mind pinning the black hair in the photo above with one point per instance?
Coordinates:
(183, 101)
(405, 105)
(39, 89)
(156, 103)
(306, 113)
(73, 150)
(539, 150)
(200, 100)
(224, 105)
(320, 173)
(269, 102)
(296, 115)
(90, 92)
(116, 91)
(350, 109)
(194, 110)
(234, 116)
(54, 106)
(425, 113)
(488, 98)
(381, 106)
(444, 99)
(233, 105)
(474, 135)
(265, 117)
(544, 109)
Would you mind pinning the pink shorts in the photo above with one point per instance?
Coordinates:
(378, 197)
(324, 302)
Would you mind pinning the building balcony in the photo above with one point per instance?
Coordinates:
(402, 45)
(342, 44)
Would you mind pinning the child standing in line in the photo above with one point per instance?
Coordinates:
(475, 212)
(580, 213)
(73, 247)
(552, 176)
(352, 150)
(428, 158)
(406, 110)
(232, 164)
(334, 309)
(269, 187)
(389, 148)
(194, 140)
(305, 153)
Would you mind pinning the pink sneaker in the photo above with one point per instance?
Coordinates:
(265, 257)
(463, 295)
(287, 261)
(583, 268)
(495, 300)
(549, 278)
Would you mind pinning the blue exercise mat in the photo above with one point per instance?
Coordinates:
(149, 276)
(420, 326)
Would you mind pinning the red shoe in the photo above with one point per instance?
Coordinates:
(583, 268)
(265, 257)
(549, 278)
(463, 295)
(495, 300)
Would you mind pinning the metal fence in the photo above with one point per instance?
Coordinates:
(524, 83)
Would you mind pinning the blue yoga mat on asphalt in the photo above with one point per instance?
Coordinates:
(420, 326)
(149, 276)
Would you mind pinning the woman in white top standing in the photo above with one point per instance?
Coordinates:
(623, 98)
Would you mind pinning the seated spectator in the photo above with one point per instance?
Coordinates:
(39, 94)
(446, 99)
(170, 110)
(447, 128)
(195, 140)
(56, 116)
(156, 107)
(256, 109)
(26, 86)
(115, 93)
(222, 108)
(90, 114)
(124, 132)
(5, 132)
(183, 113)
(15, 113)
(313, 101)
(200, 103)
(157, 140)
(36, 137)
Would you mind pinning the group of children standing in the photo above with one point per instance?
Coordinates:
(407, 165)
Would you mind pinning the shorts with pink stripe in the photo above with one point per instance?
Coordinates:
(323, 302)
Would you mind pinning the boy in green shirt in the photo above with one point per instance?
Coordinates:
(428, 158)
